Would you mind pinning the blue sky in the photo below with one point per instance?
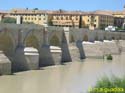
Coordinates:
(85, 5)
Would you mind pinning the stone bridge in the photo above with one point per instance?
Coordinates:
(14, 39)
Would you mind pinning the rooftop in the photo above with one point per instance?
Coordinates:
(60, 11)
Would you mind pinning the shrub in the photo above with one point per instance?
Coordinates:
(109, 57)
(106, 85)
(8, 20)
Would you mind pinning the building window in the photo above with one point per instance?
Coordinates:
(61, 18)
(70, 17)
(66, 18)
(39, 18)
(57, 18)
(94, 25)
(76, 18)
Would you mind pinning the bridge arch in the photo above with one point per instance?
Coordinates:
(96, 38)
(85, 38)
(7, 42)
(54, 41)
(31, 40)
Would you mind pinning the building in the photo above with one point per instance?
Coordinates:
(97, 20)
(119, 18)
(93, 20)
(30, 16)
(3, 14)
(118, 21)
(65, 18)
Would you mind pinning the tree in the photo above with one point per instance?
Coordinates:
(102, 26)
(35, 9)
(8, 20)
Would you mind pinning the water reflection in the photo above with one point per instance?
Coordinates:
(73, 77)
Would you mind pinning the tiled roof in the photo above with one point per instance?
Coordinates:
(67, 12)
(119, 12)
(100, 12)
(26, 11)
(31, 11)
(3, 12)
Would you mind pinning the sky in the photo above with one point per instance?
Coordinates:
(84, 5)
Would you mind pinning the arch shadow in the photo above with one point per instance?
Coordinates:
(85, 38)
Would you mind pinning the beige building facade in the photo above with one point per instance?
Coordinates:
(94, 19)
(30, 16)
(65, 18)
(97, 20)
(119, 17)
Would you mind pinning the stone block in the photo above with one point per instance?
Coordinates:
(92, 50)
(32, 58)
(110, 47)
(50, 55)
(56, 54)
(5, 64)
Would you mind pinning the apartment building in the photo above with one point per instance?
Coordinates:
(97, 19)
(119, 18)
(3, 14)
(30, 16)
(65, 18)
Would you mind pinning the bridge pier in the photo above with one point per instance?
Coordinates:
(5, 64)
(76, 52)
(49, 55)
(25, 58)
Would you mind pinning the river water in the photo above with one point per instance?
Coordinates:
(72, 77)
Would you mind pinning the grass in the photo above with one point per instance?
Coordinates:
(106, 85)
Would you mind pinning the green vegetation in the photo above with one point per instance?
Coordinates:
(35, 9)
(27, 23)
(8, 20)
(109, 57)
(119, 28)
(106, 85)
(102, 26)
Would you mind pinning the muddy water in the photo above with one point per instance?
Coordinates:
(73, 77)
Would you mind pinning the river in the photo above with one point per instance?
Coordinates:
(72, 77)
